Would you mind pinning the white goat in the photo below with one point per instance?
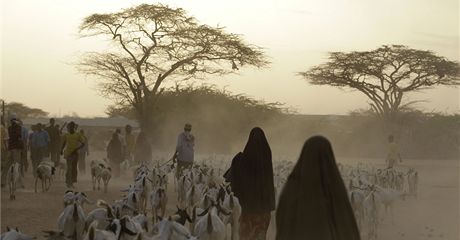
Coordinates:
(71, 222)
(210, 226)
(45, 171)
(71, 197)
(102, 215)
(14, 234)
(169, 229)
(12, 178)
(112, 233)
(106, 175)
(233, 204)
(158, 201)
(96, 170)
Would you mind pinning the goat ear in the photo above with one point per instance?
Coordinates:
(159, 218)
(8, 229)
(17, 229)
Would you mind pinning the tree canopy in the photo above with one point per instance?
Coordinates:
(22, 111)
(154, 43)
(385, 74)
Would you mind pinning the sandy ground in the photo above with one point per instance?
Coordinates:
(433, 215)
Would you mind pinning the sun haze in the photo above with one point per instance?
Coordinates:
(40, 45)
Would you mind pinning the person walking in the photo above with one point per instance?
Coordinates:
(314, 202)
(4, 146)
(83, 152)
(130, 141)
(55, 141)
(251, 176)
(72, 142)
(24, 157)
(115, 153)
(39, 145)
(15, 146)
(393, 153)
(184, 154)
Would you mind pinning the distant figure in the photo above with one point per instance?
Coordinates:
(184, 154)
(142, 149)
(39, 141)
(252, 182)
(115, 154)
(32, 151)
(25, 139)
(83, 152)
(71, 144)
(15, 146)
(55, 141)
(314, 202)
(130, 141)
(393, 153)
(3, 143)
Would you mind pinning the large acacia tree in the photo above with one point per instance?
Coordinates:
(385, 75)
(155, 43)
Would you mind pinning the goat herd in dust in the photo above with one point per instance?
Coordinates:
(206, 206)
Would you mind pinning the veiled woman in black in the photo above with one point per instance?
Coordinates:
(314, 202)
(251, 177)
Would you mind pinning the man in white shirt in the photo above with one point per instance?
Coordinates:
(184, 153)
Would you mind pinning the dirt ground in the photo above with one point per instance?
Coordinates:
(433, 215)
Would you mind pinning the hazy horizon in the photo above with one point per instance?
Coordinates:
(40, 42)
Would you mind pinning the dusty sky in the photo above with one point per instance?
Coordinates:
(39, 43)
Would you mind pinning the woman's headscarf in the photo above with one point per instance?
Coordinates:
(252, 175)
(314, 203)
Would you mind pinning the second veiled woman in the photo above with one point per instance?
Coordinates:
(314, 202)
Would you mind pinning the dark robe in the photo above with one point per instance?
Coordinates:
(314, 202)
(252, 175)
(115, 150)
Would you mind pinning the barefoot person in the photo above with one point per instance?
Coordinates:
(393, 153)
(184, 154)
(314, 202)
(72, 143)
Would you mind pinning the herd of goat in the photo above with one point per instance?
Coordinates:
(206, 206)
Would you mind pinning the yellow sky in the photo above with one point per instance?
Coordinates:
(39, 43)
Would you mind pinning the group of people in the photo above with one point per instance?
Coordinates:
(121, 148)
(20, 144)
(313, 204)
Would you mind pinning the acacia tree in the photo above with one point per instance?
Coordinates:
(156, 43)
(385, 75)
